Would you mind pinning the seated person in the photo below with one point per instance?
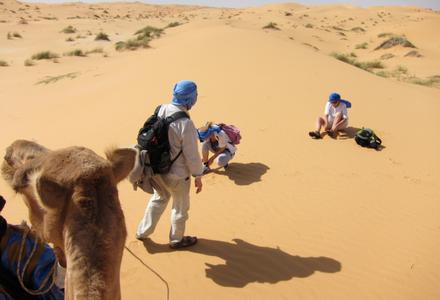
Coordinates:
(335, 117)
(215, 140)
(40, 277)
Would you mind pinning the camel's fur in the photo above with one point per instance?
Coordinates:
(73, 203)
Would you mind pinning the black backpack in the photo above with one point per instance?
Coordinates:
(153, 137)
(367, 138)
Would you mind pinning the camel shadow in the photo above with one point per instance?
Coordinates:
(247, 263)
(243, 173)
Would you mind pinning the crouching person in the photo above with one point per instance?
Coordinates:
(216, 141)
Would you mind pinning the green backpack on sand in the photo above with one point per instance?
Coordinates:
(367, 138)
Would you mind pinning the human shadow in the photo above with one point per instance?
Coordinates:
(348, 133)
(247, 263)
(243, 173)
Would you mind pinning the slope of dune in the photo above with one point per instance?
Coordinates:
(292, 217)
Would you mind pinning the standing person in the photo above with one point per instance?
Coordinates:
(182, 136)
(216, 141)
(335, 117)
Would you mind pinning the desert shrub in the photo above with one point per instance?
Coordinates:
(382, 74)
(287, 14)
(44, 55)
(362, 46)
(367, 65)
(76, 52)
(148, 32)
(173, 24)
(10, 36)
(69, 29)
(384, 34)
(338, 28)
(95, 50)
(309, 25)
(387, 56)
(433, 81)
(102, 37)
(271, 25)
(413, 53)
(70, 39)
(395, 41)
(22, 22)
(142, 39)
(132, 44)
(29, 63)
(358, 29)
(3, 63)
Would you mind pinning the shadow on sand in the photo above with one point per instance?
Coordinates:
(247, 263)
(243, 173)
(348, 133)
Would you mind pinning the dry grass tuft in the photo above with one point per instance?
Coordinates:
(69, 29)
(272, 26)
(44, 55)
(102, 37)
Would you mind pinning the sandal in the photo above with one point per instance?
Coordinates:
(315, 135)
(186, 241)
(332, 134)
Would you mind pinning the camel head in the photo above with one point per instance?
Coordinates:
(72, 196)
(23, 158)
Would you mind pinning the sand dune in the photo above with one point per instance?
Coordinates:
(292, 217)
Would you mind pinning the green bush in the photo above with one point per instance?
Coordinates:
(44, 55)
(148, 32)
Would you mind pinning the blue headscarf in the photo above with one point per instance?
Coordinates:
(185, 93)
(336, 97)
(203, 135)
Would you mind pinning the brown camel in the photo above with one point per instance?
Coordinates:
(73, 204)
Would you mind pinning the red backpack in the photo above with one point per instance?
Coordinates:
(232, 132)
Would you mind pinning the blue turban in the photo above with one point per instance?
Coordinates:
(203, 135)
(185, 93)
(336, 97)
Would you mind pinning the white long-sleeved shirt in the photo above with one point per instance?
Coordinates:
(182, 135)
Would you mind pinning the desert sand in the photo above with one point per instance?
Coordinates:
(292, 218)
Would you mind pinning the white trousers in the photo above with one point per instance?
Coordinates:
(164, 189)
(223, 159)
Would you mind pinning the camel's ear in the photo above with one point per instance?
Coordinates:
(123, 161)
(52, 195)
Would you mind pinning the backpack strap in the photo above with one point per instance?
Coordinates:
(156, 111)
(174, 117)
